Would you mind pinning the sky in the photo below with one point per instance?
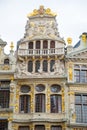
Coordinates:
(71, 18)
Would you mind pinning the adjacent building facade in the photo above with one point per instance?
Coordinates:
(43, 85)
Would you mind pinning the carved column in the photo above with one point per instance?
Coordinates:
(48, 100)
(32, 127)
(71, 107)
(33, 64)
(70, 72)
(49, 64)
(17, 100)
(47, 126)
(14, 127)
(12, 87)
(32, 99)
(10, 119)
(63, 100)
(64, 127)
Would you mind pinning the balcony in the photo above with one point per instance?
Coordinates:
(43, 52)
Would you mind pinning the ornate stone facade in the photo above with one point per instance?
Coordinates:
(44, 85)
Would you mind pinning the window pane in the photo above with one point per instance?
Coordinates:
(24, 128)
(78, 99)
(83, 76)
(78, 113)
(3, 125)
(40, 88)
(39, 127)
(56, 102)
(56, 128)
(40, 103)
(81, 108)
(45, 65)
(37, 65)
(30, 66)
(37, 44)
(84, 99)
(30, 45)
(85, 113)
(4, 98)
(25, 88)
(45, 44)
(55, 88)
(24, 103)
(52, 44)
(77, 75)
(52, 62)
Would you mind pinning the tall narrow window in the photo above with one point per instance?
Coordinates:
(3, 125)
(24, 128)
(45, 44)
(24, 103)
(81, 108)
(52, 44)
(30, 45)
(52, 62)
(56, 103)
(37, 65)
(39, 127)
(56, 128)
(45, 66)
(4, 94)
(37, 44)
(30, 66)
(40, 102)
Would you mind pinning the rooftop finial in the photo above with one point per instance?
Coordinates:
(41, 12)
(69, 40)
(12, 45)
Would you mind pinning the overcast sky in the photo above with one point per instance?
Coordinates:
(71, 18)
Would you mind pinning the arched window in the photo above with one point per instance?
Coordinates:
(52, 62)
(37, 44)
(45, 66)
(30, 45)
(24, 128)
(25, 103)
(45, 44)
(37, 65)
(30, 66)
(56, 128)
(40, 102)
(39, 127)
(56, 103)
(52, 44)
(6, 61)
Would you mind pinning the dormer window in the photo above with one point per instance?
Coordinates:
(6, 61)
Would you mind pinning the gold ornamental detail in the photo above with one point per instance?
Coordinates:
(41, 12)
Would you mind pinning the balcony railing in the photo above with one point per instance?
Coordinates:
(30, 52)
